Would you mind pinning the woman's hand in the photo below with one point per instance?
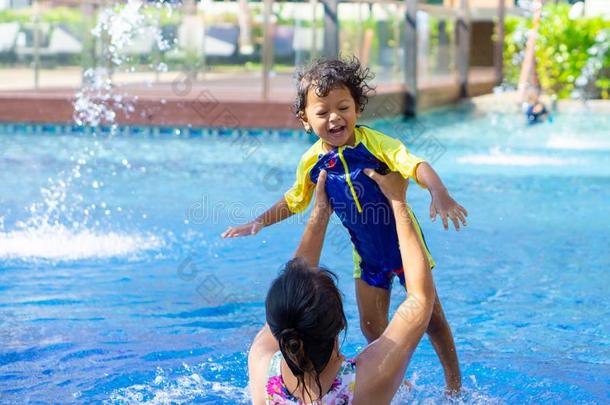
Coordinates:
(392, 185)
(322, 205)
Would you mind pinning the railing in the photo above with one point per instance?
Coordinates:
(47, 47)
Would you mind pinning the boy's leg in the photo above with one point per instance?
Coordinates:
(441, 338)
(373, 306)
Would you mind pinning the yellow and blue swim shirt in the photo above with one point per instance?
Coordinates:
(357, 199)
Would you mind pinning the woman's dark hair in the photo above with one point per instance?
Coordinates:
(305, 314)
(323, 75)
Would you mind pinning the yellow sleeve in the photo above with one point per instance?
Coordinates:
(392, 152)
(299, 195)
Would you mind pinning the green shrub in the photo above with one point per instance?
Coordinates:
(565, 49)
(514, 46)
(20, 16)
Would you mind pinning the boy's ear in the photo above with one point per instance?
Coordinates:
(304, 122)
(302, 116)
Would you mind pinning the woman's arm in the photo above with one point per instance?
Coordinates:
(264, 344)
(310, 247)
(262, 350)
(382, 364)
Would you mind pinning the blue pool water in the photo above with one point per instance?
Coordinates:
(115, 286)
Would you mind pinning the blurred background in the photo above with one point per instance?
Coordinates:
(132, 133)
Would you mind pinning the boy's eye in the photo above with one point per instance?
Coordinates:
(344, 108)
(321, 113)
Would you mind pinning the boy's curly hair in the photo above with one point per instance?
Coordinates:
(327, 74)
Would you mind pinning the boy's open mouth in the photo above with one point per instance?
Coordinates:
(337, 130)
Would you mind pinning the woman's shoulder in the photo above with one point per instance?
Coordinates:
(260, 358)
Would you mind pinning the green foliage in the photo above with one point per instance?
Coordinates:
(166, 16)
(71, 18)
(56, 15)
(62, 15)
(514, 46)
(10, 15)
(352, 34)
(563, 49)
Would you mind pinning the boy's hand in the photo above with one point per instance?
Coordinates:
(442, 204)
(251, 228)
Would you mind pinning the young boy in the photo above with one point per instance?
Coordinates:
(331, 96)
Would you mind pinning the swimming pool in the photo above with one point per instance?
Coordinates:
(115, 286)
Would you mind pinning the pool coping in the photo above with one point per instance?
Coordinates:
(220, 106)
(507, 102)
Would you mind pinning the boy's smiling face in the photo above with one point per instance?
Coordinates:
(332, 118)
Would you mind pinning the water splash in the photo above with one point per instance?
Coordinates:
(97, 102)
(187, 388)
(63, 225)
(190, 387)
(121, 25)
(58, 242)
(414, 392)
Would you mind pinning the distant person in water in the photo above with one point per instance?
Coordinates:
(296, 357)
(535, 110)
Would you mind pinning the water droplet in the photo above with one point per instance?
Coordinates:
(95, 184)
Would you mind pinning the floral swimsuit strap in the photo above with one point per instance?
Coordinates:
(341, 391)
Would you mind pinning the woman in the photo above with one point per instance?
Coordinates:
(295, 358)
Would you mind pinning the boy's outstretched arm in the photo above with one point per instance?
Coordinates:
(442, 203)
(277, 213)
